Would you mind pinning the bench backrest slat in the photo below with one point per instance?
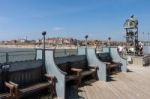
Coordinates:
(66, 63)
(105, 57)
(26, 77)
(1, 85)
(26, 73)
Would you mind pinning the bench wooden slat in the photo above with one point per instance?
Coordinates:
(76, 67)
(86, 73)
(71, 77)
(36, 87)
(4, 95)
(107, 59)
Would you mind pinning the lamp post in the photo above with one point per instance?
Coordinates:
(86, 37)
(148, 37)
(43, 52)
(109, 39)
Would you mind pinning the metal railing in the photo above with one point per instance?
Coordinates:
(14, 56)
(65, 52)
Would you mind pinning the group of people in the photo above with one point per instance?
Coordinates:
(138, 50)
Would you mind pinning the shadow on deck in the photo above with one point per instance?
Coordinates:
(73, 91)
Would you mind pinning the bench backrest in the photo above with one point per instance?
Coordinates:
(3, 78)
(105, 57)
(1, 84)
(26, 73)
(65, 63)
(80, 64)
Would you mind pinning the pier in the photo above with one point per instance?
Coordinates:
(133, 84)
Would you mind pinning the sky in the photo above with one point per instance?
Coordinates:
(99, 19)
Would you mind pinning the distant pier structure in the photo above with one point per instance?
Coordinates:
(131, 28)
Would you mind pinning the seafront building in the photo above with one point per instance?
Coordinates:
(59, 42)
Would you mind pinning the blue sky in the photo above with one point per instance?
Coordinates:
(99, 19)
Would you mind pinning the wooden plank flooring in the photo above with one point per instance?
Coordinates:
(131, 85)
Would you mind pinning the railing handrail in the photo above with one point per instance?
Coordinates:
(17, 51)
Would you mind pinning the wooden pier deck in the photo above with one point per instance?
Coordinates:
(134, 84)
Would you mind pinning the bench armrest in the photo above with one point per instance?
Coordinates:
(78, 71)
(107, 63)
(117, 62)
(92, 67)
(11, 89)
(10, 86)
(14, 84)
(50, 77)
(16, 89)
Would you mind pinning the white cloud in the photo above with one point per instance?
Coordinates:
(58, 29)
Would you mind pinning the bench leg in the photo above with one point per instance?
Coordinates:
(109, 71)
(94, 75)
(16, 93)
(79, 81)
(11, 94)
(52, 90)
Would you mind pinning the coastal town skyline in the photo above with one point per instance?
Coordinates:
(99, 19)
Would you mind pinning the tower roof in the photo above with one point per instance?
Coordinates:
(131, 22)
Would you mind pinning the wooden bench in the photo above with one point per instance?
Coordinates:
(72, 74)
(4, 87)
(77, 68)
(141, 61)
(87, 70)
(112, 67)
(10, 94)
(29, 78)
(21, 92)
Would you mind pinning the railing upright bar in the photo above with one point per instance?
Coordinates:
(65, 52)
(7, 57)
